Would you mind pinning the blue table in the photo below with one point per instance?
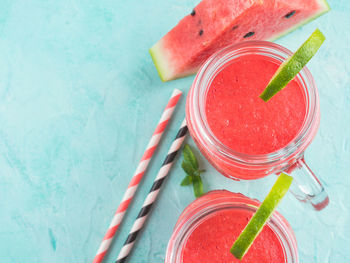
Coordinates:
(79, 99)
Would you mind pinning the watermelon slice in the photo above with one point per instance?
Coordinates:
(214, 24)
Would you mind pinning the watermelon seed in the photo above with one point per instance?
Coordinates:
(290, 14)
(249, 34)
(235, 27)
(201, 32)
(193, 12)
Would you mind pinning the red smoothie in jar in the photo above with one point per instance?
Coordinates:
(242, 136)
(208, 227)
(211, 241)
(241, 120)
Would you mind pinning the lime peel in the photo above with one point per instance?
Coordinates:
(291, 67)
(261, 216)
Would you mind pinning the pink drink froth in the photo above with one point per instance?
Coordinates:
(241, 120)
(207, 228)
(211, 241)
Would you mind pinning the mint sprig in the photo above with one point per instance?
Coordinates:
(191, 167)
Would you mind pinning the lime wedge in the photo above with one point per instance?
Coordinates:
(290, 68)
(262, 214)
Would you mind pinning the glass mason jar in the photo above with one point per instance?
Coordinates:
(241, 166)
(212, 202)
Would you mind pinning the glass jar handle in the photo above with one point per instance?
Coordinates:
(306, 186)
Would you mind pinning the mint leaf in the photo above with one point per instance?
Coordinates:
(187, 180)
(197, 186)
(187, 167)
(191, 168)
(198, 172)
(189, 157)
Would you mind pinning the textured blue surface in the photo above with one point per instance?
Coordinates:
(79, 99)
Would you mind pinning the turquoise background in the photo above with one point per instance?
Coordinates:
(79, 100)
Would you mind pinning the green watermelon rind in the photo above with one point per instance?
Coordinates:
(326, 9)
(157, 58)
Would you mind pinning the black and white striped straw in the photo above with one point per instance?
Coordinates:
(152, 195)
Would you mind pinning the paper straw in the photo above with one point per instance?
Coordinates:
(140, 170)
(153, 193)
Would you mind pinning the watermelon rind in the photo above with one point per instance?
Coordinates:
(159, 61)
(326, 7)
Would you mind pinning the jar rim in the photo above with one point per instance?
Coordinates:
(202, 83)
(190, 219)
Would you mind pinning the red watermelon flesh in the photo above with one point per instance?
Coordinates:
(214, 24)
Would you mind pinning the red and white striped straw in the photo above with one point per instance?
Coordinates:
(153, 193)
(140, 170)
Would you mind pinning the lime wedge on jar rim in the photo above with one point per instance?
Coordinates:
(261, 216)
(291, 67)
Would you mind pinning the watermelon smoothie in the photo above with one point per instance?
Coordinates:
(241, 120)
(244, 137)
(208, 227)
